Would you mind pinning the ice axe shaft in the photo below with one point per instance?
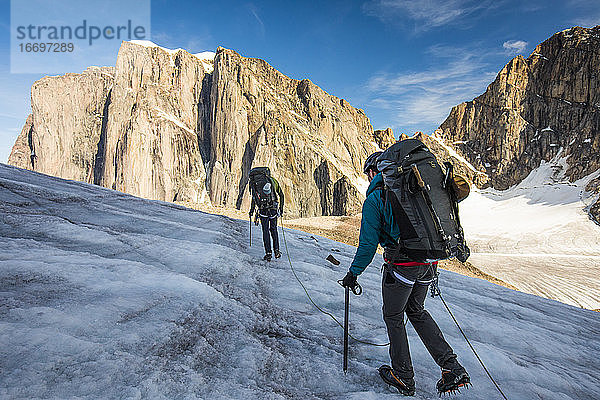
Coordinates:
(418, 176)
(346, 309)
(334, 261)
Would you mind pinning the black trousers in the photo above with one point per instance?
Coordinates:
(404, 290)
(268, 222)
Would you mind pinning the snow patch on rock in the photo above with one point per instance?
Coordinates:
(205, 57)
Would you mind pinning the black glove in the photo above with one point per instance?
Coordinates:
(349, 280)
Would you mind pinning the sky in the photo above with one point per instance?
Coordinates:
(405, 62)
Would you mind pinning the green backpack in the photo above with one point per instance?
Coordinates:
(258, 178)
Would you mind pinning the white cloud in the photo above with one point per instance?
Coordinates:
(11, 116)
(261, 25)
(422, 100)
(161, 38)
(200, 41)
(587, 22)
(402, 83)
(515, 46)
(427, 105)
(425, 14)
(586, 13)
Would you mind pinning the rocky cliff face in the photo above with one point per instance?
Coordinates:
(539, 108)
(61, 136)
(445, 152)
(313, 142)
(169, 125)
(384, 138)
(151, 146)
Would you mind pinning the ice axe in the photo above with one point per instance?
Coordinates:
(346, 311)
(356, 290)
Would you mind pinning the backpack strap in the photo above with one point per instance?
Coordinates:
(385, 199)
(400, 219)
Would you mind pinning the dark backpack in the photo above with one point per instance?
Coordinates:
(424, 202)
(258, 178)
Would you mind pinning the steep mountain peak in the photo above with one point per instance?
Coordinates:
(385, 138)
(535, 110)
(170, 125)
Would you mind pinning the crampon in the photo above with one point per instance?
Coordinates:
(452, 381)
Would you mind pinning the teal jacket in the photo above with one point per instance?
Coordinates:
(376, 227)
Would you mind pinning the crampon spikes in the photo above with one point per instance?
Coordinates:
(454, 390)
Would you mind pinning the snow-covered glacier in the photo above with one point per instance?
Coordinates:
(104, 295)
(538, 236)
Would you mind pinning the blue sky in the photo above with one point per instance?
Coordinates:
(405, 62)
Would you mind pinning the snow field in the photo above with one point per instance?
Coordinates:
(537, 236)
(104, 295)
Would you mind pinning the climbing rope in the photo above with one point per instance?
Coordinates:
(315, 304)
(435, 291)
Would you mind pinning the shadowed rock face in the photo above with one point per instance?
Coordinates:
(538, 108)
(168, 125)
(22, 153)
(309, 139)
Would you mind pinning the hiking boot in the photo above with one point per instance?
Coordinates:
(452, 380)
(267, 257)
(277, 254)
(391, 377)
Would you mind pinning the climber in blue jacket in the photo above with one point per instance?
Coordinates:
(405, 285)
